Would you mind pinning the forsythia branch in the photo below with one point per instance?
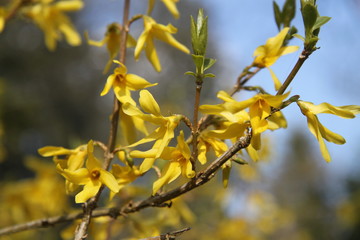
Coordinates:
(153, 201)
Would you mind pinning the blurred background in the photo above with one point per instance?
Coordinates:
(53, 98)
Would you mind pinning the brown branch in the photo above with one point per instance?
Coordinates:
(153, 201)
(40, 223)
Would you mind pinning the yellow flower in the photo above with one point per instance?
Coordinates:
(205, 142)
(123, 83)
(112, 40)
(162, 135)
(74, 157)
(318, 130)
(153, 30)
(50, 17)
(129, 125)
(124, 175)
(2, 18)
(259, 111)
(170, 4)
(92, 177)
(179, 158)
(74, 160)
(266, 55)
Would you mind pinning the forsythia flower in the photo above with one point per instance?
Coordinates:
(123, 82)
(259, 111)
(205, 142)
(266, 55)
(92, 177)
(162, 135)
(170, 4)
(50, 17)
(74, 160)
(154, 30)
(112, 40)
(129, 125)
(124, 175)
(179, 158)
(318, 130)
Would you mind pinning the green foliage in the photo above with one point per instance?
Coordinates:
(312, 23)
(199, 34)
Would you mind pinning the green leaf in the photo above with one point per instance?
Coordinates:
(200, 20)
(202, 38)
(310, 14)
(277, 15)
(199, 63)
(320, 21)
(199, 33)
(288, 13)
(210, 75)
(208, 63)
(190, 73)
(193, 31)
(299, 37)
(240, 161)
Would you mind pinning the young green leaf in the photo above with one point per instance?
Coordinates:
(277, 15)
(320, 21)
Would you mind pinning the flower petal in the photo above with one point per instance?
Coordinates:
(89, 191)
(182, 146)
(148, 103)
(92, 162)
(73, 5)
(171, 172)
(135, 82)
(342, 111)
(166, 37)
(80, 176)
(171, 6)
(109, 83)
(202, 149)
(50, 151)
(109, 180)
(151, 54)
(141, 42)
(144, 154)
(276, 81)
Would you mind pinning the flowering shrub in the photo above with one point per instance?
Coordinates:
(179, 147)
